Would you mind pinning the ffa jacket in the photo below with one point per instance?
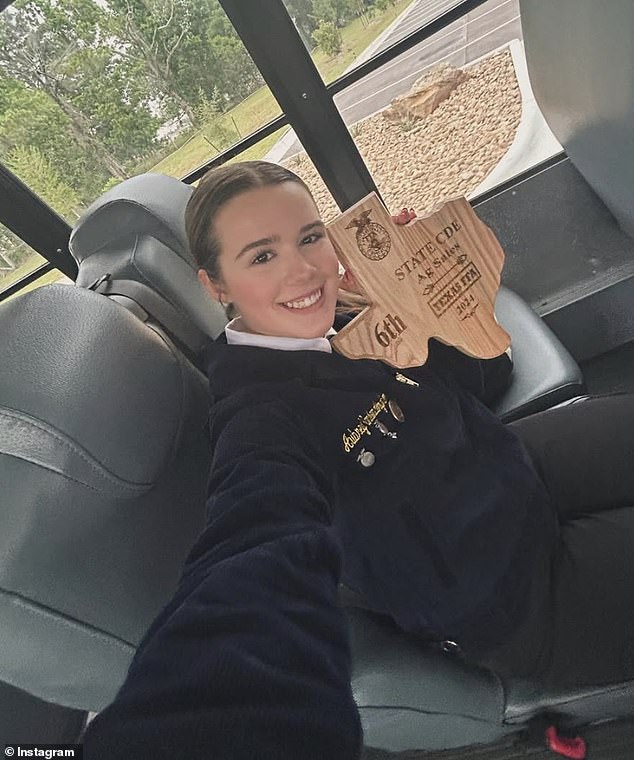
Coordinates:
(250, 659)
(438, 509)
(428, 501)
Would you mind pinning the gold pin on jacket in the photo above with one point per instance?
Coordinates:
(352, 436)
(395, 411)
(402, 379)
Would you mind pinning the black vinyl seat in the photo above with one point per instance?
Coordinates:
(103, 457)
(103, 462)
(413, 697)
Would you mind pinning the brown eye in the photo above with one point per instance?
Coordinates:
(262, 257)
(312, 238)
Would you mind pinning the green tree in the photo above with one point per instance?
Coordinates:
(64, 51)
(34, 170)
(238, 76)
(218, 99)
(152, 33)
(181, 47)
(302, 13)
(110, 92)
(324, 11)
(31, 117)
(337, 12)
(36, 45)
(328, 37)
(213, 127)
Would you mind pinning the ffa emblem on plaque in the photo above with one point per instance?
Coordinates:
(435, 277)
(373, 239)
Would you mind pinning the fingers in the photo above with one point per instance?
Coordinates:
(348, 282)
(405, 216)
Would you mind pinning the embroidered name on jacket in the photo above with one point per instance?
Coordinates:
(352, 436)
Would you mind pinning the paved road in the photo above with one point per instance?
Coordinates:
(493, 24)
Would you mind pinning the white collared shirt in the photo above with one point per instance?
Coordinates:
(236, 335)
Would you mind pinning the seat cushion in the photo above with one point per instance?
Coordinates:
(412, 696)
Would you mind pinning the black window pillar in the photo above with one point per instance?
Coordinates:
(278, 51)
(31, 219)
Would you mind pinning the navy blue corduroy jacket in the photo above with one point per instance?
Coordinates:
(251, 659)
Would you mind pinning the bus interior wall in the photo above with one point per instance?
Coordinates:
(568, 258)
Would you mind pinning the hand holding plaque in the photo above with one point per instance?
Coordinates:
(436, 277)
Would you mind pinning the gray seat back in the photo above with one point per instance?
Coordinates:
(103, 446)
(103, 462)
(132, 241)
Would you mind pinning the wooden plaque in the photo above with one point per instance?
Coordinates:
(435, 277)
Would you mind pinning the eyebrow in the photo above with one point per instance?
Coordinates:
(276, 238)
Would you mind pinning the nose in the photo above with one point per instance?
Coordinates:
(299, 267)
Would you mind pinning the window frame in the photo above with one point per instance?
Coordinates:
(308, 107)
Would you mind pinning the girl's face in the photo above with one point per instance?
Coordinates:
(277, 264)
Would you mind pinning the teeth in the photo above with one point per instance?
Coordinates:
(304, 303)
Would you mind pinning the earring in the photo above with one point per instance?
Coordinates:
(342, 270)
(221, 302)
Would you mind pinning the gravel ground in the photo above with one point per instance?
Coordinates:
(444, 155)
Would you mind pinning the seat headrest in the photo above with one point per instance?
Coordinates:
(136, 233)
(150, 204)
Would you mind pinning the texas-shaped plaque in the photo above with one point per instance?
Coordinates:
(435, 277)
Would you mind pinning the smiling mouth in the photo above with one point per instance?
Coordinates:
(306, 301)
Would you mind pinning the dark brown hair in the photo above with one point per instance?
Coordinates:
(218, 187)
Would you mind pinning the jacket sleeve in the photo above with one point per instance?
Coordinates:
(486, 379)
(250, 658)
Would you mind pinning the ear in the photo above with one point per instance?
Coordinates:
(212, 287)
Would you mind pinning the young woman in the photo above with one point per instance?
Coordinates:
(512, 543)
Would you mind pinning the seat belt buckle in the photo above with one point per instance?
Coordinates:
(571, 747)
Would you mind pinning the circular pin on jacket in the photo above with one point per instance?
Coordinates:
(396, 411)
(366, 458)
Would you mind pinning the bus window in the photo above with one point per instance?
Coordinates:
(18, 260)
(76, 120)
(452, 115)
(341, 35)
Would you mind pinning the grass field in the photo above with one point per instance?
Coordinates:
(356, 38)
(260, 107)
(27, 267)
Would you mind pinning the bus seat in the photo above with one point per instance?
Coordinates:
(580, 57)
(27, 720)
(544, 372)
(131, 243)
(103, 466)
(411, 697)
